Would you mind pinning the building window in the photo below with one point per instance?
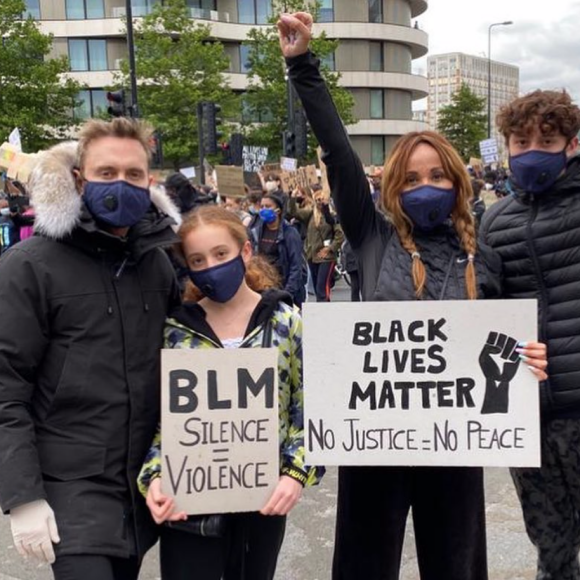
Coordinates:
(376, 11)
(377, 104)
(377, 150)
(201, 8)
(326, 11)
(377, 60)
(329, 61)
(84, 9)
(32, 9)
(87, 54)
(244, 53)
(142, 7)
(254, 11)
(91, 103)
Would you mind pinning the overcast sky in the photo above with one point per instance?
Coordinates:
(543, 41)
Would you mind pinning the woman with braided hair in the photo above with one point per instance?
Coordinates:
(421, 246)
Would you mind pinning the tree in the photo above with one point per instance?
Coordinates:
(464, 122)
(178, 64)
(34, 94)
(266, 98)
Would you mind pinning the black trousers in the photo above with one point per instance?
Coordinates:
(322, 277)
(249, 551)
(91, 567)
(448, 516)
(354, 286)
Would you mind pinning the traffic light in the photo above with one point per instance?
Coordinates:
(289, 144)
(117, 106)
(211, 125)
(237, 148)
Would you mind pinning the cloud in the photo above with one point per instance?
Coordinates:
(547, 54)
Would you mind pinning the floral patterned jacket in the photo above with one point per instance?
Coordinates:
(286, 325)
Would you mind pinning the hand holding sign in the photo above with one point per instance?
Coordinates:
(161, 506)
(286, 495)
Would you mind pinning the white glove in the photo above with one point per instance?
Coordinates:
(34, 530)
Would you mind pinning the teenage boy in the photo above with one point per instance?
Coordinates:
(536, 231)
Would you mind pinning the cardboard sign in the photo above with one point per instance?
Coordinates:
(420, 383)
(230, 180)
(7, 154)
(303, 177)
(254, 157)
(219, 428)
(18, 161)
(25, 169)
(271, 168)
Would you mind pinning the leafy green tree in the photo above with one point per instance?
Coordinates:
(464, 122)
(266, 98)
(34, 96)
(178, 64)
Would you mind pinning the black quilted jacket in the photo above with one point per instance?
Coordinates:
(384, 265)
(538, 239)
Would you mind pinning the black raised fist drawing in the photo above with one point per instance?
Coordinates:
(499, 362)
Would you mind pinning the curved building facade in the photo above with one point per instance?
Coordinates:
(378, 42)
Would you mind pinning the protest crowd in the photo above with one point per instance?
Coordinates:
(102, 267)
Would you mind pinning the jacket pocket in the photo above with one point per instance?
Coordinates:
(71, 386)
(67, 460)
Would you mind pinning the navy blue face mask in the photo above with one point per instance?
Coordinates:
(428, 206)
(116, 203)
(536, 171)
(220, 283)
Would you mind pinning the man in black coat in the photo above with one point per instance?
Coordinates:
(536, 231)
(83, 306)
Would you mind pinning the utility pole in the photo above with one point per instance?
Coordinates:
(134, 108)
(200, 139)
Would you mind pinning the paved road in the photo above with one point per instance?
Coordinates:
(307, 550)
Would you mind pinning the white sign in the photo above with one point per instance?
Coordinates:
(189, 172)
(254, 158)
(14, 139)
(489, 150)
(288, 164)
(219, 428)
(420, 383)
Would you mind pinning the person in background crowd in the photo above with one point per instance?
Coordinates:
(254, 198)
(234, 204)
(277, 241)
(350, 265)
(536, 232)
(323, 240)
(185, 195)
(242, 310)
(6, 226)
(426, 250)
(83, 306)
(477, 204)
(304, 201)
(21, 213)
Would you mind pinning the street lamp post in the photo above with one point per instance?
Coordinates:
(506, 23)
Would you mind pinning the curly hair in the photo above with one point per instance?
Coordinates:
(260, 274)
(551, 111)
(393, 183)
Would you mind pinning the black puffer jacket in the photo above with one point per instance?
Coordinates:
(82, 321)
(538, 239)
(384, 264)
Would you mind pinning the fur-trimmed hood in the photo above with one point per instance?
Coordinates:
(57, 204)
